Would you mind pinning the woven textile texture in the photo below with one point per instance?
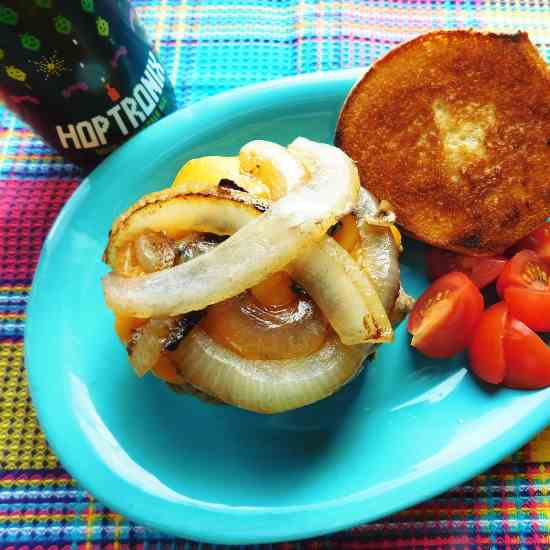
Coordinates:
(208, 47)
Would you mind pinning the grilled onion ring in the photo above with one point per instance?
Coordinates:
(344, 293)
(266, 244)
(266, 386)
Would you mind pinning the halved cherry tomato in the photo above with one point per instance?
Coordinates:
(482, 270)
(504, 350)
(538, 240)
(532, 307)
(524, 270)
(444, 318)
(525, 286)
(487, 348)
(527, 357)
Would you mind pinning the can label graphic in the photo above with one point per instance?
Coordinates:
(81, 73)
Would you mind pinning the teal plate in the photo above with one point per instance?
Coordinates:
(406, 429)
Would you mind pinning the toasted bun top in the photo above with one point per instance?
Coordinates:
(453, 129)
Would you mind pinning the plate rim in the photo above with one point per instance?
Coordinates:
(345, 514)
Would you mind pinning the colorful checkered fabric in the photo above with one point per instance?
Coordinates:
(208, 47)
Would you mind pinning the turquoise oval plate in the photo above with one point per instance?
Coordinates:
(406, 429)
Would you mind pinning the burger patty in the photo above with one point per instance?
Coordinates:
(453, 129)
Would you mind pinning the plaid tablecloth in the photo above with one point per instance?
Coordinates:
(208, 47)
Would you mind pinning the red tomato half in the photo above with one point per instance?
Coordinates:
(524, 270)
(487, 347)
(527, 357)
(443, 319)
(525, 286)
(504, 350)
(539, 241)
(529, 306)
(482, 271)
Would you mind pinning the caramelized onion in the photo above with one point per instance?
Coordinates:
(330, 276)
(255, 332)
(263, 246)
(154, 338)
(154, 251)
(273, 164)
(266, 386)
(377, 253)
(147, 344)
(354, 309)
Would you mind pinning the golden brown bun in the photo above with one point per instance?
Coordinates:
(453, 129)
